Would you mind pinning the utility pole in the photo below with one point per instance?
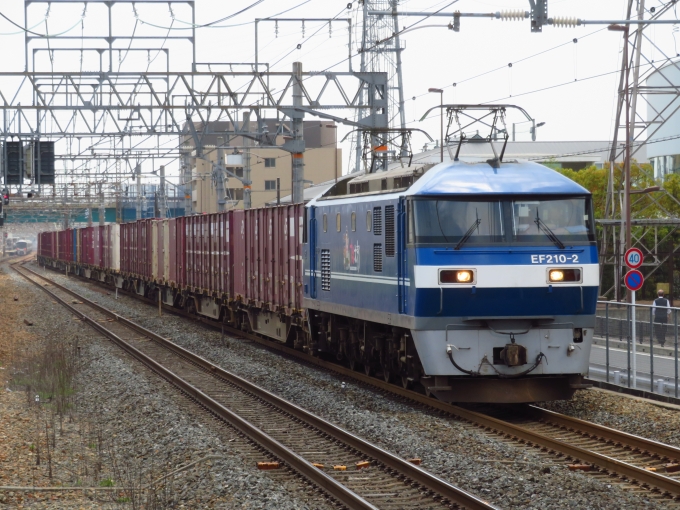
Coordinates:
(219, 176)
(161, 196)
(88, 197)
(119, 204)
(186, 178)
(138, 171)
(247, 182)
(102, 206)
(298, 134)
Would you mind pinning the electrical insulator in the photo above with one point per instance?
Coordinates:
(565, 22)
(512, 15)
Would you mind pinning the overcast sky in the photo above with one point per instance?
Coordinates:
(574, 106)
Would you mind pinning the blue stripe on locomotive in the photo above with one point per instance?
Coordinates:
(505, 302)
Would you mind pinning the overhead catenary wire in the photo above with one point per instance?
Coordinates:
(299, 45)
(46, 36)
(213, 24)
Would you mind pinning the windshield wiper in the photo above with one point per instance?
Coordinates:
(549, 233)
(467, 235)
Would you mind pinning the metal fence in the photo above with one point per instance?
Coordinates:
(651, 361)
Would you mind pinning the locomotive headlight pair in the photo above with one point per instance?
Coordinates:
(566, 275)
(462, 276)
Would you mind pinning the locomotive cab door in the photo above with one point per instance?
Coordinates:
(402, 260)
(312, 252)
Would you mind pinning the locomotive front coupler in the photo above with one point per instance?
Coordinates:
(513, 354)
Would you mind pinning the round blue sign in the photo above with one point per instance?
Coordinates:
(634, 280)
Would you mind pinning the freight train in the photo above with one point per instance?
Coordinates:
(474, 282)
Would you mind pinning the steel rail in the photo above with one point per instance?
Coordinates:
(315, 475)
(415, 473)
(593, 429)
(603, 462)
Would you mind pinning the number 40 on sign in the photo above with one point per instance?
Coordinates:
(634, 258)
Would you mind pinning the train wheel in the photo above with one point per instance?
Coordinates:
(405, 382)
(368, 370)
(387, 375)
(352, 364)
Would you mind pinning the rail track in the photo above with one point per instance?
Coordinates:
(352, 471)
(632, 461)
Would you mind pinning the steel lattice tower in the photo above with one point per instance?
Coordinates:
(380, 51)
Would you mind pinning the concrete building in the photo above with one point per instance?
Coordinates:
(322, 157)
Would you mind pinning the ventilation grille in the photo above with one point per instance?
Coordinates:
(358, 187)
(389, 230)
(325, 269)
(377, 258)
(377, 221)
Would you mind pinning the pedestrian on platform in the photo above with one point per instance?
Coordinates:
(661, 311)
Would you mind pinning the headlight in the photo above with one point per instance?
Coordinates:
(564, 275)
(556, 275)
(463, 276)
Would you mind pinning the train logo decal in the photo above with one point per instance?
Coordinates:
(351, 254)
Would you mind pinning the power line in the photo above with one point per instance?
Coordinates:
(47, 36)
(213, 23)
(299, 45)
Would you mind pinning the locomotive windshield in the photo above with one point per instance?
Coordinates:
(539, 221)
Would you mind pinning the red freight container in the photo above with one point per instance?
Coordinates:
(199, 255)
(176, 252)
(135, 248)
(47, 244)
(238, 255)
(197, 252)
(66, 245)
(86, 245)
(225, 253)
(220, 266)
(271, 256)
(216, 227)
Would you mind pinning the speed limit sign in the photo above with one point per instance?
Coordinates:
(633, 258)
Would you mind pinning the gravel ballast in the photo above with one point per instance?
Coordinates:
(147, 431)
(500, 472)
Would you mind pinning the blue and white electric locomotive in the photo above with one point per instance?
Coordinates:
(477, 281)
